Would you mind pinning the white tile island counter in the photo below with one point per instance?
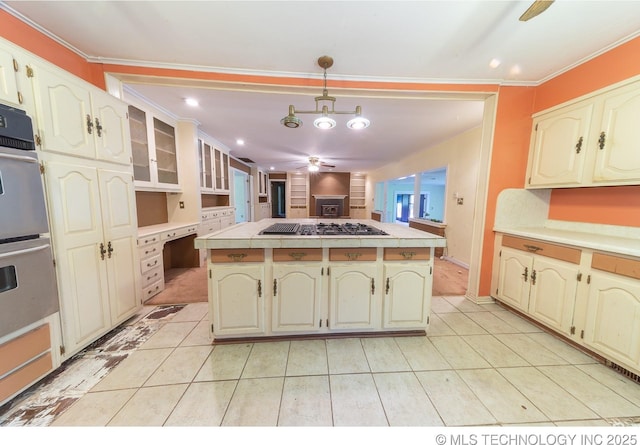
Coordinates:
(278, 285)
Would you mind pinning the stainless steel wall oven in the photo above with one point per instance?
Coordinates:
(28, 290)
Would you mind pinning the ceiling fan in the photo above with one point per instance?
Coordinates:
(315, 163)
(536, 8)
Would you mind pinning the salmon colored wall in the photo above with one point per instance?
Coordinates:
(33, 41)
(601, 205)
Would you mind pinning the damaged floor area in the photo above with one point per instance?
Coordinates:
(40, 404)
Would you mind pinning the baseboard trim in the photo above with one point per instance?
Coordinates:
(326, 336)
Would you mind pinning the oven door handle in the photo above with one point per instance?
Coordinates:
(23, 251)
(18, 158)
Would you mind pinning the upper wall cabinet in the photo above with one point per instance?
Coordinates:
(77, 119)
(214, 167)
(153, 143)
(592, 142)
(9, 92)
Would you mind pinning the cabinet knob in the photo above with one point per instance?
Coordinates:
(526, 274)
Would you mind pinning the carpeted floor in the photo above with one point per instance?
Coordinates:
(182, 286)
(190, 285)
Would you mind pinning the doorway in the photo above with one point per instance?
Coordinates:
(241, 196)
(278, 199)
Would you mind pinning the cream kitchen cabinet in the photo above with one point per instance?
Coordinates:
(297, 296)
(94, 231)
(408, 277)
(206, 164)
(612, 326)
(540, 279)
(588, 143)
(237, 286)
(354, 294)
(151, 265)
(9, 66)
(154, 151)
(221, 168)
(77, 119)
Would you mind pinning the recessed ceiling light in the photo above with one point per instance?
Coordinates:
(191, 102)
(240, 141)
(495, 63)
(272, 168)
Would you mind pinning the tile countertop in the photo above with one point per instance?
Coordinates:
(524, 213)
(246, 235)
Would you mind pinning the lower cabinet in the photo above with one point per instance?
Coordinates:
(94, 226)
(592, 298)
(297, 295)
(353, 296)
(306, 291)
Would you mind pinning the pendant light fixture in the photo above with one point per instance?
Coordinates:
(325, 108)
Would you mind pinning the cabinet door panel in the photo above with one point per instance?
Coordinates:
(120, 230)
(559, 147)
(238, 299)
(352, 302)
(8, 83)
(553, 293)
(297, 296)
(64, 115)
(613, 318)
(407, 295)
(513, 282)
(75, 214)
(618, 159)
(113, 140)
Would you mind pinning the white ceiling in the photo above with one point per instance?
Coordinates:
(386, 41)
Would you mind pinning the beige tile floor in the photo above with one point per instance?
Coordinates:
(479, 365)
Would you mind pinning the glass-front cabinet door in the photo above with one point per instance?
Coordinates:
(139, 144)
(166, 159)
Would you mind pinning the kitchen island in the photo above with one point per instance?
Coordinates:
(325, 278)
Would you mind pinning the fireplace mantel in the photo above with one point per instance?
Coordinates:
(329, 196)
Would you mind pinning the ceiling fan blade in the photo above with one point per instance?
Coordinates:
(536, 8)
(322, 164)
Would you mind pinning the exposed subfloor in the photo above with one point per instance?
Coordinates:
(478, 365)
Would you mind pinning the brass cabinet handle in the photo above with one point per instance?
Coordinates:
(532, 248)
(533, 277)
(102, 251)
(407, 255)
(237, 256)
(373, 286)
(526, 274)
(151, 277)
(297, 255)
(353, 255)
(259, 288)
(151, 265)
(601, 141)
(275, 287)
(89, 125)
(109, 249)
(387, 287)
(98, 128)
(579, 145)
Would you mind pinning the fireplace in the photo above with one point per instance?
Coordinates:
(329, 206)
(330, 211)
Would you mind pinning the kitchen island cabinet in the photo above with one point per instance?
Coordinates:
(263, 286)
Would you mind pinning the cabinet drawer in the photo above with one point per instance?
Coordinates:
(149, 250)
(152, 289)
(21, 378)
(297, 254)
(406, 254)
(617, 265)
(152, 275)
(178, 233)
(568, 254)
(147, 240)
(237, 255)
(23, 348)
(150, 263)
(353, 254)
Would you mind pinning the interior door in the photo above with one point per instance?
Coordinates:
(241, 196)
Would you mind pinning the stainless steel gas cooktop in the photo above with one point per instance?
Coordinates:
(329, 229)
